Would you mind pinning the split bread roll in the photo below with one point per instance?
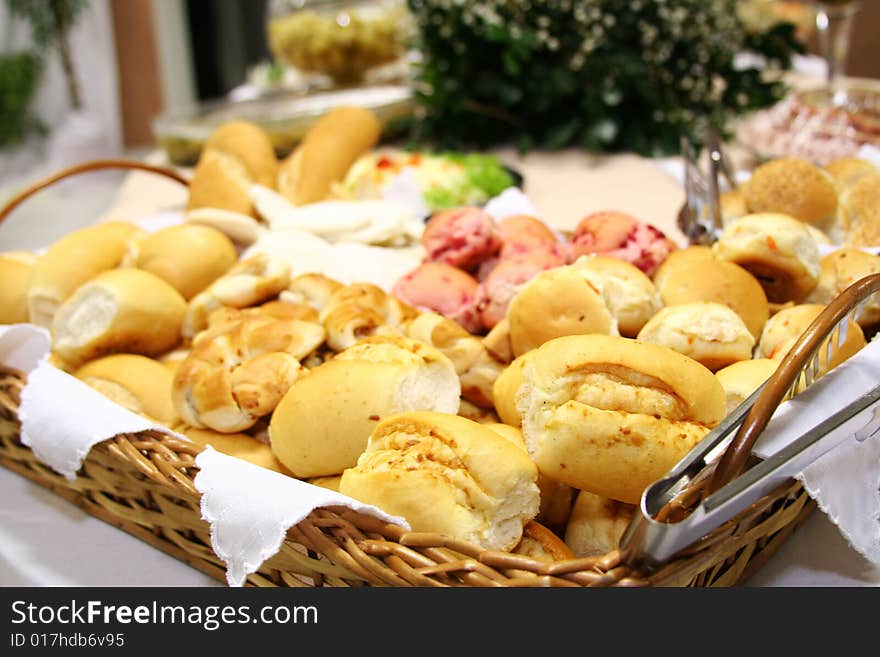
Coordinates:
(138, 383)
(322, 424)
(596, 524)
(446, 474)
(16, 268)
(71, 261)
(506, 388)
(741, 379)
(713, 280)
(121, 310)
(555, 303)
(839, 270)
(610, 415)
(326, 153)
(777, 249)
(710, 333)
(188, 256)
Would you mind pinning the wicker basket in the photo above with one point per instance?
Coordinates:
(143, 484)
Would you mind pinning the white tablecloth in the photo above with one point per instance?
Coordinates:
(46, 541)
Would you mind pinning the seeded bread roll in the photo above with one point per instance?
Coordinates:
(610, 415)
(322, 424)
(795, 187)
(555, 303)
(446, 474)
(16, 268)
(741, 379)
(121, 310)
(188, 256)
(71, 261)
(709, 332)
(776, 249)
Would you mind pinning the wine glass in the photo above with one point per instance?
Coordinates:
(834, 24)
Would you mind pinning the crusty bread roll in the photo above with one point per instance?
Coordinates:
(220, 181)
(249, 282)
(610, 415)
(596, 524)
(313, 289)
(323, 422)
(795, 187)
(446, 474)
(860, 212)
(506, 388)
(188, 256)
(776, 249)
(237, 372)
(326, 153)
(120, 310)
(16, 268)
(785, 327)
(71, 261)
(359, 310)
(709, 332)
(679, 260)
(138, 383)
(554, 303)
(251, 145)
(839, 270)
(741, 379)
(629, 294)
(239, 445)
(718, 281)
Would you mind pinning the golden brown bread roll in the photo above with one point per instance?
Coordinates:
(777, 249)
(251, 145)
(497, 341)
(506, 388)
(71, 261)
(446, 474)
(795, 187)
(16, 268)
(860, 212)
(323, 422)
(845, 171)
(611, 415)
(326, 153)
(313, 289)
(680, 260)
(138, 383)
(120, 310)
(709, 332)
(554, 303)
(188, 256)
(839, 270)
(237, 373)
(741, 379)
(596, 524)
(718, 281)
(221, 182)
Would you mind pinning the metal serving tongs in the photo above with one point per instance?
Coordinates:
(702, 491)
(700, 217)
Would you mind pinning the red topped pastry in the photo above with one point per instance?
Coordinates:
(443, 289)
(620, 235)
(463, 237)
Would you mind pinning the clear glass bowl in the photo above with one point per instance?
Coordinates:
(341, 39)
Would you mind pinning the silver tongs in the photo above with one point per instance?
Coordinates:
(703, 491)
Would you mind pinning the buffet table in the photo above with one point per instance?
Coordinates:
(45, 541)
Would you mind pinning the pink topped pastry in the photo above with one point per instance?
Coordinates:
(463, 237)
(620, 235)
(506, 278)
(443, 289)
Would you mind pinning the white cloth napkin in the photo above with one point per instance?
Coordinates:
(251, 508)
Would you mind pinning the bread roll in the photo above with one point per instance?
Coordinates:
(330, 483)
(709, 332)
(596, 524)
(121, 310)
(313, 288)
(446, 474)
(718, 281)
(839, 270)
(795, 187)
(16, 268)
(679, 261)
(741, 379)
(359, 310)
(322, 424)
(71, 261)
(326, 152)
(220, 182)
(497, 341)
(610, 415)
(506, 388)
(554, 303)
(239, 445)
(251, 145)
(237, 373)
(629, 294)
(860, 212)
(776, 249)
(785, 327)
(140, 384)
(188, 256)
(845, 171)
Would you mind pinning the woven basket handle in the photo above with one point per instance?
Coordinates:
(787, 376)
(94, 165)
